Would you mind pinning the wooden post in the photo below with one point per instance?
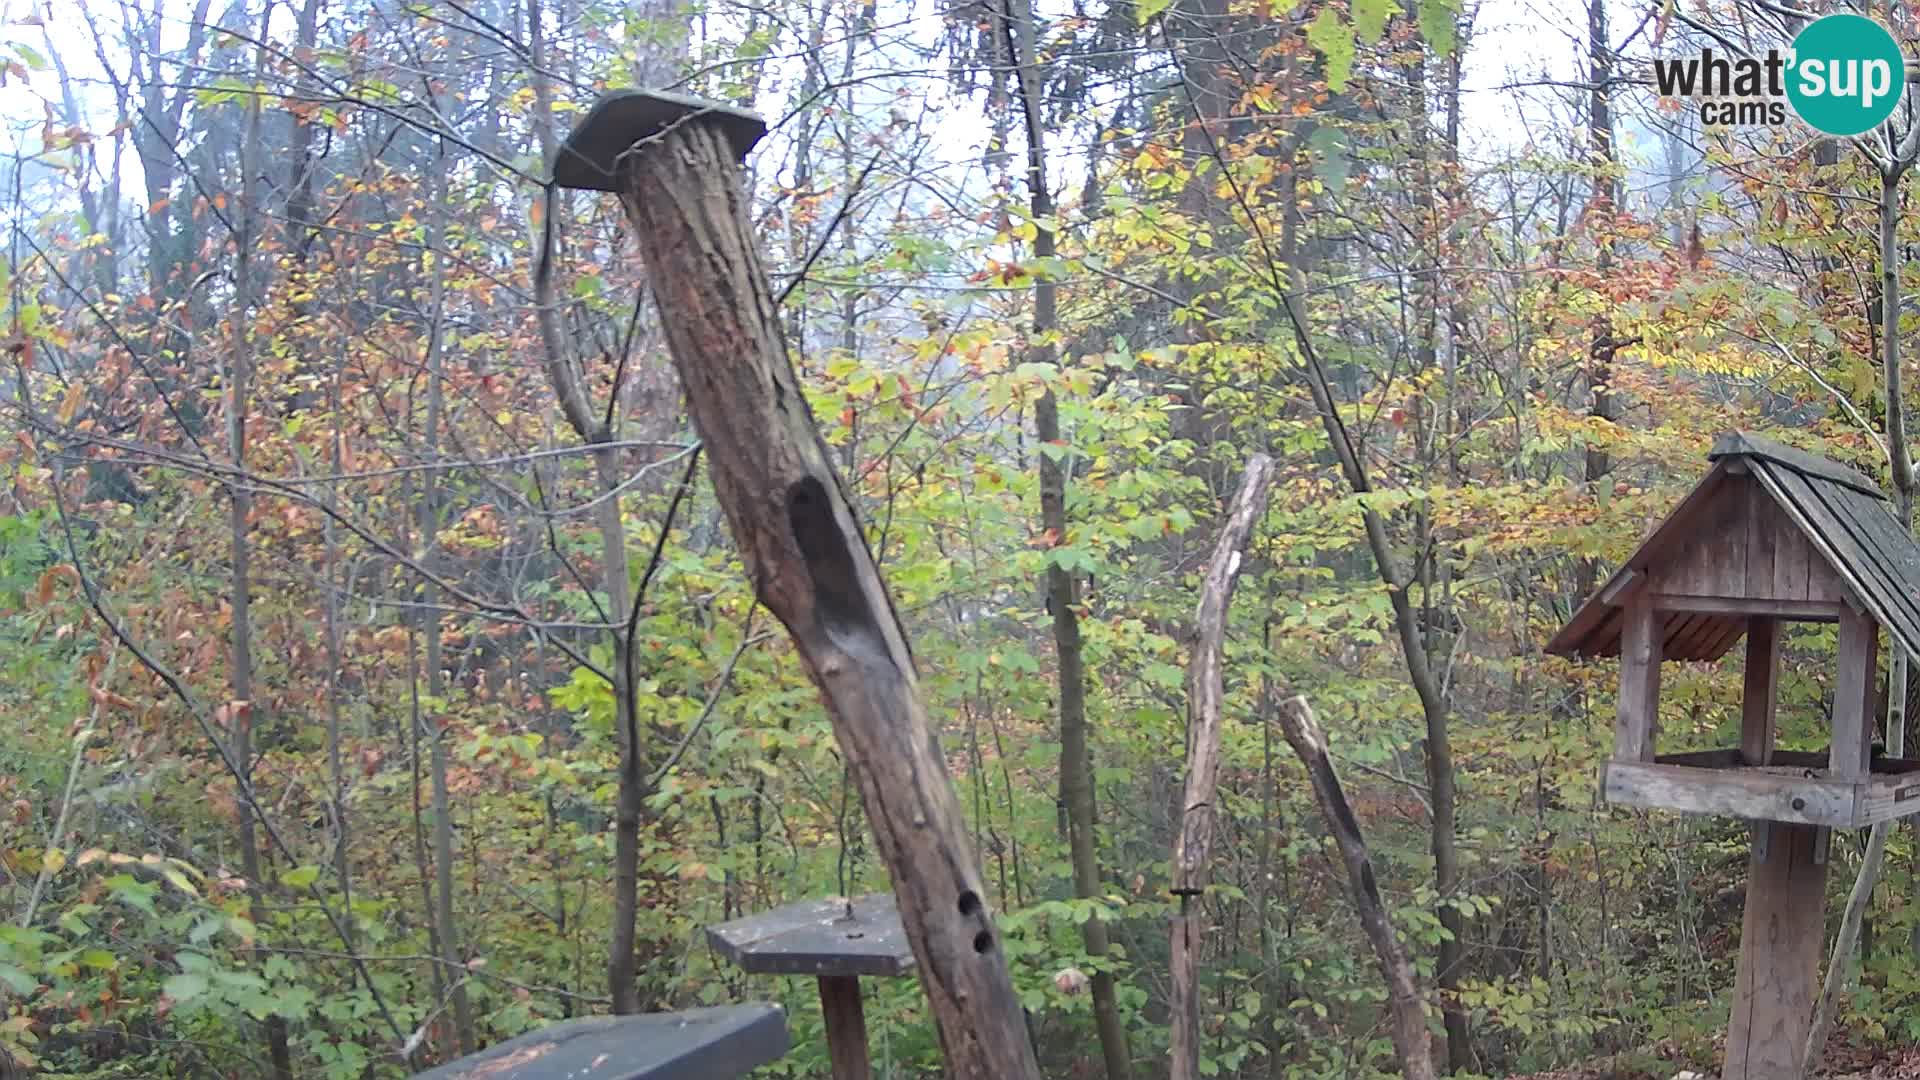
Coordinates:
(1757, 696)
(846, 1020)
(807, 556)
(1853, 685)
(1638, 706)
(1780, 939)
(1206, 689)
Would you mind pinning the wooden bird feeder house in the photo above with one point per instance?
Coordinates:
(1770, 535)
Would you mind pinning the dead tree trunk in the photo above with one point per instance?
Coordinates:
(1206, 686)
(1404, 1000)
(810, 566)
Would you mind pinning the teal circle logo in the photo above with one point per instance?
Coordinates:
(1846, 74)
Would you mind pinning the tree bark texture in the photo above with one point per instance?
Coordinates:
(809, 563)
(1206, 687)
(1404, 1000)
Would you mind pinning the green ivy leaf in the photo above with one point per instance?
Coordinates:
(16, 980)
(184, 987)
(1436, 24)
(1370, 18)
(1145, 10)
(1332, 38)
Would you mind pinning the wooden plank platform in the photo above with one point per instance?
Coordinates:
(720, 1043)
(1796, 788)
(816, 937)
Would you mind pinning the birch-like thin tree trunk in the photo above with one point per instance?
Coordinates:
(1840, 965)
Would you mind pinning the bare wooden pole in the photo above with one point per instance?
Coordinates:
(1405, 1002)
(809, 562)
(1206, 686)
(846, 1021)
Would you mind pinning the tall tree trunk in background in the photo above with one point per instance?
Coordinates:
(1601, 219)
(242, 711)
(1434, 704)
(569, 386)
(1426, 429)
(1076, 758)
(435, 733)
(1846, 942)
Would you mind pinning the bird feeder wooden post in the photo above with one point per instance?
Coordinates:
(674, 161)
(1771, 535)
(835, 941)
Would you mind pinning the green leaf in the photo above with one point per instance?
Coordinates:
(99, 959)
(1436, 24)
(16, 980)
(1145, 10)
(34, 61)
(184, 987)
(1332, 38)
(1370, 18)
(1328, 150)
(301, 877)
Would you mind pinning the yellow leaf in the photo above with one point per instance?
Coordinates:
(53, 861)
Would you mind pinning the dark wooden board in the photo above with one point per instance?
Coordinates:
(698, 1044)
(814, 937)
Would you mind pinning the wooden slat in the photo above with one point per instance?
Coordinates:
(1887, 798)
(1724, 538)
(1709, 557)
(1889, 587)
(1792, 610)
(1792, 555)
(1578, 637)
(1731, 631)
(1609, 632)
(1638, 707)
(1742, 793)
(1762, 532)
(1701, 759)
(1853, 695)
(1676, 630)
(1757, 691)
(1890, 544)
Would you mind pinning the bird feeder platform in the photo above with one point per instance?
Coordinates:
(697, 1044)
(1794, 787)
(836, 941)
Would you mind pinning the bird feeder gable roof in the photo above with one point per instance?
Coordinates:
(1761, 499)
